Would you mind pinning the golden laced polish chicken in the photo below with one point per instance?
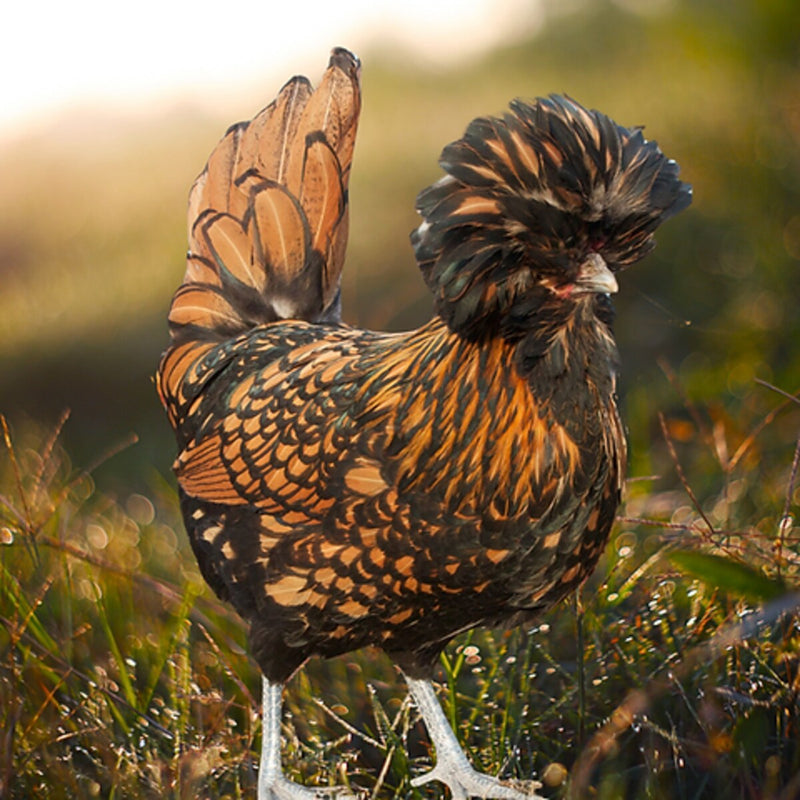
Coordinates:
(343, 487)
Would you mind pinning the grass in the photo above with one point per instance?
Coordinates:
(675, 674)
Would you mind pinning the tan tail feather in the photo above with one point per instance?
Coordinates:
(280, 231)
(273, 134)
(268, 215)
(213, 185)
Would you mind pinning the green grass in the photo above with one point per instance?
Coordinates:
(674, 675)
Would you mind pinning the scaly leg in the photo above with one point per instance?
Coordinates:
(452, 767)
(272, 785)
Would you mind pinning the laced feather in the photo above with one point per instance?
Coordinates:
(268, 214)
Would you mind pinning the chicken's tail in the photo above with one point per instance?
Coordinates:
(268, 214)
(267, 227)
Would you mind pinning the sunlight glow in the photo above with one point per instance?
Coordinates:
(91, 52)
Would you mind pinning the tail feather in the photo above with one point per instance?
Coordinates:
(268, 215)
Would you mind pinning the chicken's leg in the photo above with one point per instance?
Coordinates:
(272, 784)
(452, 767)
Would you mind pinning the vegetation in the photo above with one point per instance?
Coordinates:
(675, 675)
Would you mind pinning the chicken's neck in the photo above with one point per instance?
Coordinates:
(569, 358)
(563, 355)
(493, 413)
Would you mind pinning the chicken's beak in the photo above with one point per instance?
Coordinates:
(595, 276)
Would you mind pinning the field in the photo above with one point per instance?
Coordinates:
(676, 671)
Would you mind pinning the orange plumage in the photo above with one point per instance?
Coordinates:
(344, 487)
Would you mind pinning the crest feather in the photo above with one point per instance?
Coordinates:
(535, 192)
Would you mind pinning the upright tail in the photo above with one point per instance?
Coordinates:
(267, 226)
(268, 214)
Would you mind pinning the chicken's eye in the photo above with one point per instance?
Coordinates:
(597, 243)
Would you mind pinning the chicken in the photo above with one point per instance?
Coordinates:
(344, 488)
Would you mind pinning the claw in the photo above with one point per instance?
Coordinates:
(283, 789)
(452, 767)
(464, 782)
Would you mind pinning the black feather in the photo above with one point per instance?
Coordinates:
(551, 182)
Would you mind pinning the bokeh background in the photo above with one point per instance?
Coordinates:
(108, 115)
(120, 675)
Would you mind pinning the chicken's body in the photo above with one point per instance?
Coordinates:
(390, 489)
(343, 487)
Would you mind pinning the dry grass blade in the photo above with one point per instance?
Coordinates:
(129, 441)
(17, 629)
(639, 700)
(765, 422)
(320, 703)
(698, 419)
(785, 521)
(17, 474)
(47, 455)
(792, 398)
(682, 476)
(782, 524)
(241, 685)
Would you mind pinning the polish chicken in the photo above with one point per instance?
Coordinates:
(343, 487)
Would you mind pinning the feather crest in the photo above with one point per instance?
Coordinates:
(530, 196)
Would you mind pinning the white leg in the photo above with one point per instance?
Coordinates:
(272, 785)
(269, 770)
(452, 767)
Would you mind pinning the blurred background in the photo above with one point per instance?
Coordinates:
(109, 111)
